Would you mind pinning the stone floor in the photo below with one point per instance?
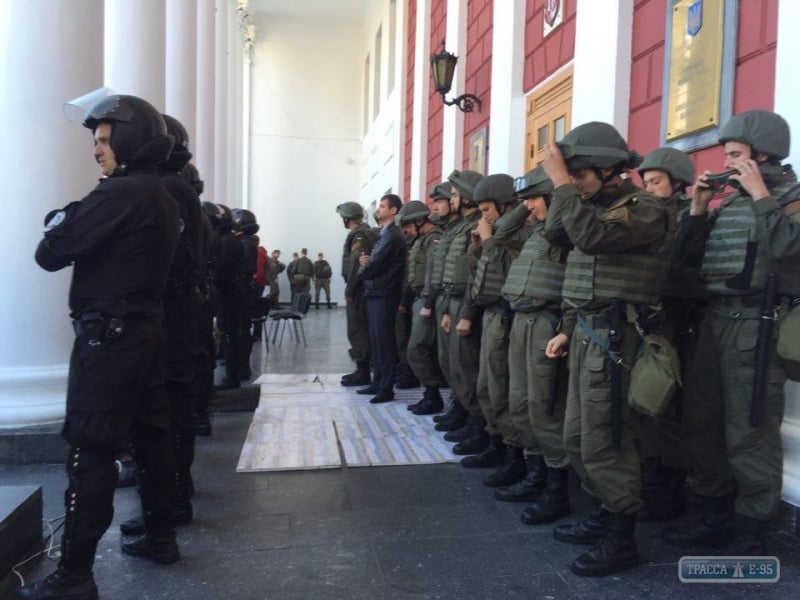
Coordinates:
(401, 533)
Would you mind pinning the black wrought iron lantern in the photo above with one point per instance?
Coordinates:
(443, 66)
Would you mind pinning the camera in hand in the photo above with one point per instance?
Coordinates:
(717, 181)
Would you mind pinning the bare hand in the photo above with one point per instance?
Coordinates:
(484, 229)
(554, 166)
(701, 195)
(445, 324)
(363, 259)
(463, 327)
(557, 346)
(425, 312)
(750, 178)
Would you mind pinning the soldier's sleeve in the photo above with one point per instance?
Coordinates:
(569, 319)
(510, 223)
(357, 248)
(690, 239)
(640, 221)
(780, 232)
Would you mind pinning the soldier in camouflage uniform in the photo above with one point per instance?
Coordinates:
(496, 244)
(666, 172)
(622, 239)
(359, 241)
(538, 384)
(749, 241)
(461, 333)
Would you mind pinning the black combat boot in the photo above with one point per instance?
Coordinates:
(589, 531)
(431, 404)
(663, 492)
(475, 444)
(616, 551)
(160, 549)
(712, 528)
(554, 501)
(453, 419)
(749, 538)
(514, 469)
(360, 376)
(419, 402)
(59, 585)
(526, 475)
(494, 455)
(471, 427)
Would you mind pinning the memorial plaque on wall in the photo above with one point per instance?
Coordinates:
(695, 73)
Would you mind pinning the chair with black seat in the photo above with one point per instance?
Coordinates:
(296, 314)
(259, 322)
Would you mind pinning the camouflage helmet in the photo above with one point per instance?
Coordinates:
(533, 183)
(465, 182)
(440, 191)
(672, 161)
(350, 210)
(413, 211)
(498, 188)
(762, 130)
(596, 145)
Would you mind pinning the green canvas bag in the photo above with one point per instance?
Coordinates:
(655, 376)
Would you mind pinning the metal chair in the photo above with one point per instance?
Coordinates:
(263, 305)
(296, 314)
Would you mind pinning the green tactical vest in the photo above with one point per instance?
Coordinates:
(456, 263)
(364, 232)
(418, 258)
(682, 281)
(535, 279)
(440, 253)
(631, 277)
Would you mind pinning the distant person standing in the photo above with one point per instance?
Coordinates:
(322, 279)
(302, 273)
(274, 268)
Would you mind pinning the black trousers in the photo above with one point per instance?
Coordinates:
(383, 345)
(230, 322)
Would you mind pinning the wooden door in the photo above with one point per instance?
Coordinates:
(549, 108)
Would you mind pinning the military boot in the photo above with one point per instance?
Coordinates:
(360, 376)
(554, 501)
(160, 549)
(475, 444)
(493, 456)
(663, 494)
(419, 402)
(616, 551)
(749, 538)
(471, 427)
(513, 470)
(431, 404)
(455, 408)
(712, 528)
(454, 419)
(528, 483)
(59, 585)
(589, 531)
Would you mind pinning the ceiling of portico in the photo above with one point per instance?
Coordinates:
(338, 12)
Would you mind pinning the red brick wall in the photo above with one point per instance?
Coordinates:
(544, 56)
(438, 32)
(754, 79)
(478, 71)
(411, 46)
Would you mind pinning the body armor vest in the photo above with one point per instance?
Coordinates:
(456, 263)
(537, 276)
(440, 253)
(633, 277)
(418, 258)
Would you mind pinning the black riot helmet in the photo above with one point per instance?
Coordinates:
(192, 176)
(180, 155)
(138, 131)
(244, 221)
(220, 216)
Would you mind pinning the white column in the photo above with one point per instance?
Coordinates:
(453, 126)
(602, 77)
(235, 121)
(181, 63)
(45, 162)
(787, 89)
(507, 119)
(134, 49)
(221, 86)
(422, 87)
(204, 144)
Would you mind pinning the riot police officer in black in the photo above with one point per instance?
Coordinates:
(244, 228)
(120, 240)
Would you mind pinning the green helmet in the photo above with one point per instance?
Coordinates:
(762, 130)
(596, 145)
(498, 188)
(533, 183)
(465, 182)
(440, 191)
(413, 211)
(672, 161)
(350, 210)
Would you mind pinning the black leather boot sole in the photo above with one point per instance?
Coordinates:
(164, 552)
